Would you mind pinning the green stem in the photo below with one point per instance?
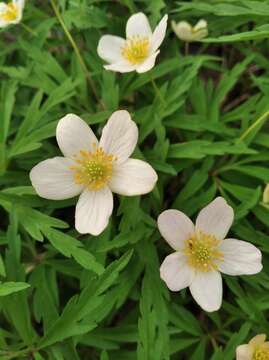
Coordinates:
(253, 126)
(187, 48)
(28, 29)
(8, 355)
(76, 49)
(214, 343)
(223, 169)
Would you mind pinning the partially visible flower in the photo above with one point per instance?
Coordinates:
(140, 49)
(189, 33)
(256, 349)
(11, 13)
(202, 253)
(265, 198)
(94, 169)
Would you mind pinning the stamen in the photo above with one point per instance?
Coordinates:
(94, 169)
(202, 251)
(261, 354)
(11, 13)
(136, 49)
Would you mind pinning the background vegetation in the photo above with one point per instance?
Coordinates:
(101, 297)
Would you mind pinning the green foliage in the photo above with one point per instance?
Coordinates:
(202, 118)
(12, 287)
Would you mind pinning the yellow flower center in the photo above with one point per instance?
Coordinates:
(94, 169)
(11, 13)
(261, 354)
(202, 251)
(136, 49)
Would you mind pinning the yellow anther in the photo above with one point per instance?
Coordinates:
(261, 353)
(94, 169)
(202, 251)
(11, 13)
(136, 49)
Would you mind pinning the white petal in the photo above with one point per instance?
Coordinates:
(19, 3)
(109, 48)
(119, 136)
(147, 64)
(133, 177)
(175, 228)
(216, 218)
(3, 7)
(240, 258)
(93, 211)
(199, 35)
(202, 24)
(138, 24)
(258, 340)
(122, 67)
(73, 134)
(159, 33)
(4, 23)
(206, 289)
(175, 272)
(265, 198)
(244, 352)
(183, 30)
(53, 179)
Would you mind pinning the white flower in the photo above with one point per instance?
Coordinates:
(138, 51)
(266, 195)
(202, 253)
(11, 13)
(256, 349)
(94, 169)
(188, 33)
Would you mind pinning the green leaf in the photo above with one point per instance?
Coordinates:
(85, 304)
(69, 246)
(10, 287)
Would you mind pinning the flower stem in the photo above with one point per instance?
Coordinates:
(253, 126)
(186, 48)
(76, 49)
(214, 343)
